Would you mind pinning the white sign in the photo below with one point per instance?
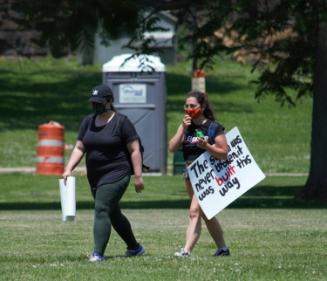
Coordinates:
(68, 198)
(132, 93)
(218, 183)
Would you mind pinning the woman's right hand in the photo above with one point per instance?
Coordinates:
(66, 174)
(186, 121)
(138, 184)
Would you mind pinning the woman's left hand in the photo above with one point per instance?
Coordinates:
(202, 143)
(138, 184)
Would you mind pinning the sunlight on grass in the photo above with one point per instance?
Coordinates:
(278, 137)
(270, 234)
(265, 245)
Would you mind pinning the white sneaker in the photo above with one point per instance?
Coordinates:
(95, 257)
(182, 254)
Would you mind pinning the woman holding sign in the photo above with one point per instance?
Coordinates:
(111, 145)
(199, 132)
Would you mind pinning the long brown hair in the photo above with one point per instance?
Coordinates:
(202, 99)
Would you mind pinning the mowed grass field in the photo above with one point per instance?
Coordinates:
(34, 92)
(271, 236)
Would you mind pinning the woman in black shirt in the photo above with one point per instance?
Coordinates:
(198, 133)
(111, 145)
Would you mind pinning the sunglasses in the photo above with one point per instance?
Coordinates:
(186, 106)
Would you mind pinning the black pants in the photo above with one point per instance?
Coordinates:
(108, 213)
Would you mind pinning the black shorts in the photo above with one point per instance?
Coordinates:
(185, 173)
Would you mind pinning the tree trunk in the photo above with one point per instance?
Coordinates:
(194, 38)
(316, 185)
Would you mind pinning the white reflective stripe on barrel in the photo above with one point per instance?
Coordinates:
(50, 143)
(42, 159)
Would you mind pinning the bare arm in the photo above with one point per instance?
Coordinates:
(219, 149)
(75, 158)
(134, 149)
(177, 139)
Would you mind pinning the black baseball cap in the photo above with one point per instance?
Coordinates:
(100, 93)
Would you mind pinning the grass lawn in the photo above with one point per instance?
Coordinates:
(266, 244)
(36, 91)
(272, 237)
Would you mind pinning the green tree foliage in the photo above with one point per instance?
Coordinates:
(297, 61)
(290, 35)
(291, 29)
(66, 25)
(289, 40)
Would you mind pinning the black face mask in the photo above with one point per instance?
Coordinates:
(99, 108)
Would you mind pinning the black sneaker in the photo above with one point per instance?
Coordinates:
(222, 252)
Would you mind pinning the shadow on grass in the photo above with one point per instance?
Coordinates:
(179, 85)
(65, 99)
(258, 197)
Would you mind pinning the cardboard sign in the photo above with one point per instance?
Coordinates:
(217, 183)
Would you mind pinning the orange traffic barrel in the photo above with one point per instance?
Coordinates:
(50, 149)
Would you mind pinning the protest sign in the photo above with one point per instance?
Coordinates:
(217, 183)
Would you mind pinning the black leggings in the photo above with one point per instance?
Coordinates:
(107, 213)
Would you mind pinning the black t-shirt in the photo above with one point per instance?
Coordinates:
(107, 157)
(190, 150)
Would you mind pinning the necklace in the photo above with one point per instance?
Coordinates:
(204, 121)
(111, 116)
(200, 122)
(103, 121)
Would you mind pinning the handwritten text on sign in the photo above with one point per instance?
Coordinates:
(218, 183)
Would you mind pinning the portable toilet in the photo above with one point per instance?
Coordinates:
(138, 84)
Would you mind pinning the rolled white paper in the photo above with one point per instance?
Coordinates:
(68, 198)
